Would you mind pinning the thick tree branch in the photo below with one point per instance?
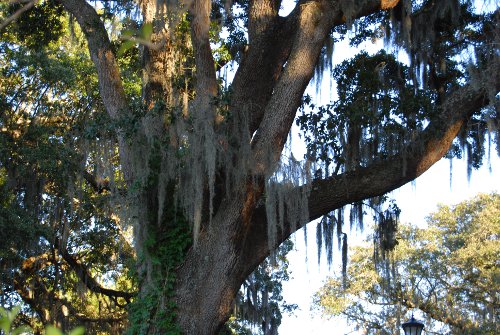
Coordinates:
(206, 80)
(314, 26)
(261, 15)
(271, 39)
(386, 175)
(259, 70)
(110, 83)
(305, 30)
(314, 23)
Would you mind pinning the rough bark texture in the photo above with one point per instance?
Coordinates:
(235, 240)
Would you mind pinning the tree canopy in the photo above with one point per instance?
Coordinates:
(144, 165)
(448, 270)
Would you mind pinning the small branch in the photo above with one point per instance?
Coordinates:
(99, 185)
(86, 278)
(18, 13)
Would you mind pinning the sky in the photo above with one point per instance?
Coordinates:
(416, 201)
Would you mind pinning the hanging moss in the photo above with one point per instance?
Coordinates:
(283, 202)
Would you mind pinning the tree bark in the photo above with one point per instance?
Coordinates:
(268, 88)
(238, 254)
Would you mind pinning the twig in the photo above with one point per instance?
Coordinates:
(18, 13)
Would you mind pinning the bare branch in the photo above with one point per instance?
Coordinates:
(315, 21)
(86, 278)
(18, 13)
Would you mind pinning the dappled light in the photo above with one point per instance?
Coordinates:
(147, 185)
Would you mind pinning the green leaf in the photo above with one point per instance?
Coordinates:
(126, 45)
(22, 330)
(128, 33)
(51, 330)
(4, 324)
(4, 320)
(13, 313)
(77, 331)
(147, 31)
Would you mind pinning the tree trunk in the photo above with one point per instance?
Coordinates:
(230, 234)
(211, 276)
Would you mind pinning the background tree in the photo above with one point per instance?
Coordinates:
(60, 241)
(259, 303)
(116, 114)
(65, 255)
(449, 271)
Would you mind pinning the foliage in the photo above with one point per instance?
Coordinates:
(51, 330)
(129, 154)
(58, 231)
(377, 112)
(166, 252)
(46, 16)
(448, 270)
(259, 303)
(7, 318)
(383, 104)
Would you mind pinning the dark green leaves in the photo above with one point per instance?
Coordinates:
(133, 37)
(38, 26)
(378, 109)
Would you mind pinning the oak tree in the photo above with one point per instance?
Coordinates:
(448, 271)
(141, 128)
